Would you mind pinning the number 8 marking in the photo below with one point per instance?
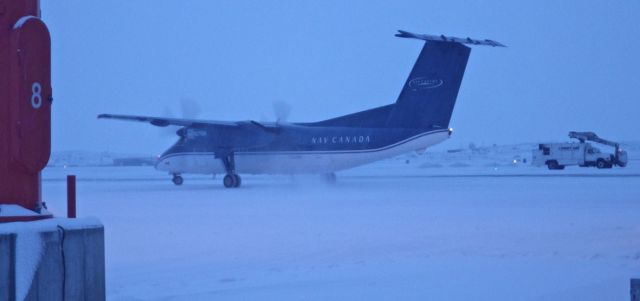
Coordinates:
(36, 97)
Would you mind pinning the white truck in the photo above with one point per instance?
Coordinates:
(558, 155)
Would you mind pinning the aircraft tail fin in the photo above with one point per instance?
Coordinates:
(429, 94)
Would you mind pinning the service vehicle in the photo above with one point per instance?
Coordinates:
(558, 155)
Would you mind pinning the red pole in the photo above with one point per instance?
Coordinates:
(71, 196)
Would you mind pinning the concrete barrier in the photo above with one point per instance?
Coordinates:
(55, 259)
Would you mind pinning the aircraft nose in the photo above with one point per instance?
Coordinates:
(162, 164)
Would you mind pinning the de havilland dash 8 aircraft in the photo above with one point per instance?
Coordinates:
(418, 119)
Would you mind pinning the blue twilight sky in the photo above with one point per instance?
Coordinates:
(570, 65)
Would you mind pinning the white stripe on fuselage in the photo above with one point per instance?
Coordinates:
(294, 162)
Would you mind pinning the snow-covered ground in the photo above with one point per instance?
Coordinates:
(434, 227)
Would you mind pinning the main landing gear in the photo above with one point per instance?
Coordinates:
(177, 179)
(231, 180)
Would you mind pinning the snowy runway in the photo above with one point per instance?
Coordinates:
(383, 231)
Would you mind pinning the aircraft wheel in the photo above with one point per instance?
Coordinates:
(229, 181)
(177, 180)
(238, 181)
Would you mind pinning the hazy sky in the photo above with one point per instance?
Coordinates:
(570, 65)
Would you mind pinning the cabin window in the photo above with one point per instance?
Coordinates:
(546, 150)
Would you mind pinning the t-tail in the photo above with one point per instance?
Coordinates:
(429, 94)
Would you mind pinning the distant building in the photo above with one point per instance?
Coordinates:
(134, 161)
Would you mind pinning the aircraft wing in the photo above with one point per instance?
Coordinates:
(163, 121)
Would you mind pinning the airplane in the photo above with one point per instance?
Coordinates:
(417, 120)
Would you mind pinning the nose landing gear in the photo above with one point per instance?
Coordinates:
(329, 178)
(177, 179)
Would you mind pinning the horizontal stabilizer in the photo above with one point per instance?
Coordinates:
(443, 38)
